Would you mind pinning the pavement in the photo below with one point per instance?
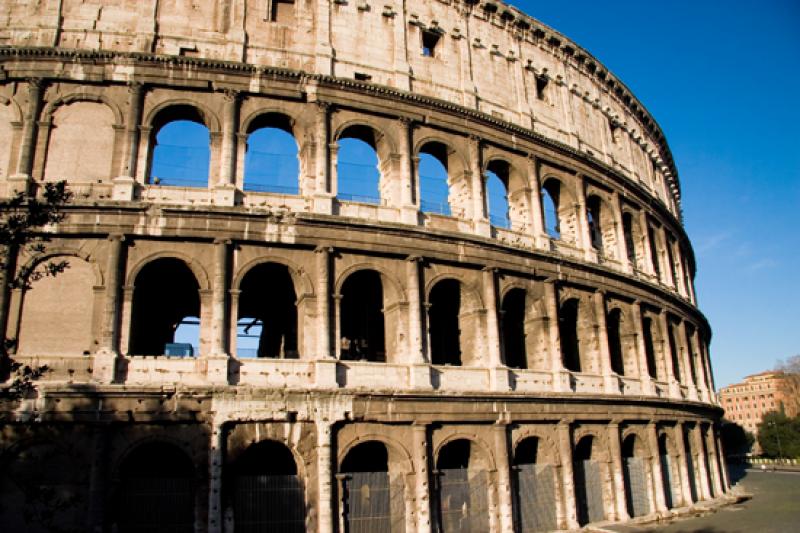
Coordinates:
(769, 502)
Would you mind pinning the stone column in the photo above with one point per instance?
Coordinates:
(610, 382)
(21, 180)
(622, 244)
(556, 363)
(655, 464)
(324, 478)
(568, 477)
(408, 177)
(540, 236)
(644, 375)
(124, 184)
(216, 453)
(701, 460)
(505, 510)
(666, 353)
(225, 188)
(500, 379)
(323, 196)
(325, 363)
(615, 449)
(480, 221)
(683, 464)
(105, 360)
(584, 236)
(714, 461)
(417, 346)
(217, 359)
(419, 434)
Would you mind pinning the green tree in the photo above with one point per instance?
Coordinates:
(23, 221)
(735, 439)
(779, 435)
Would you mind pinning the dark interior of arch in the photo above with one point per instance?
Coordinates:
(629, 446)
(271, 162)
(437, 150)
(583, 450)
(362, 321)
(627, 229)
(271, 120)
(177, 112)
(527, 451)
(513, 321)
(613, 324)
(689, 333)
(673, 352)
(266, 458)
(651, 237)
(568, 333)
(443, 315)
(165, 293)
(371, 456)
(649, 349)
(362, 133)
(157, 459)
(454, 455)
(268, 295)
(593, 217)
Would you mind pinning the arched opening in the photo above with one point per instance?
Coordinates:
(654, 262)
(443, 320)
(551, 191)
(267, 323)
(690, 464)
(433, 179)
(75, 152)
(689, 333)
(649, 348)
(362, 320)
(265, 491)
(180, 151)
(50, 329)
(593, 219)
(613, 323)
(44, 488)
(634, 472)
(156, 491)
(630, 242)
(371, 500)
(672, 340)
(588, 483)
(666, 471)
(165, 300)
(513, 313)
(497, 182)
(568, 333)
(463, 486)
(535, 488)
(271, 163)
(357, 166)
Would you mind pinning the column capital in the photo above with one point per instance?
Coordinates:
(135, 87)
(323, 249)
(415, 259)
(222, 240)
(116, 237)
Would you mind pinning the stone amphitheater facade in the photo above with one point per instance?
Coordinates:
(416, 370)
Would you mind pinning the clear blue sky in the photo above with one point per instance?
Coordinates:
(722, 78)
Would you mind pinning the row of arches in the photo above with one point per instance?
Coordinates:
(366, 160)
(272, 313)
(269, 485)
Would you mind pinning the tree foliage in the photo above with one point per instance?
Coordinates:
(779, 435)
(23, 221)
(790, 364)
(735, 439)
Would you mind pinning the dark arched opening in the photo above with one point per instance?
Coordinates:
(630, 244)
(550, 204)
(593, 219)
(513, 313)
(267, 324)
(156, 491)
(613, 323)
(535, 488)
(372, 498)
(433, 176)
(270, 162)
(672, 340)
(635, 478)
(462, 489)
(666, 471)
(362, 321)
(265, 491)
(588, 483)
(357, 164)
(568, 332)
(443, 319)
(497, 179)
(165, 298)
(649, 348)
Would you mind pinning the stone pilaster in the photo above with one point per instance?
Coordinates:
(655, 465)
(683, 464)
(422, 495)
(480, 219)
(324, 478)
(556, 361)
(646, 382)
(325, 363)
(617, 480)
(504, 498)
(20, 182)
(105, 360)
(564, 437)
(610, 382)
(500, 379)
(216, 453)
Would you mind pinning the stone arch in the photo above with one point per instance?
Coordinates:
(579, 349)
(636, 473)
(10, 122)
(536, 486)
(395, 288)
(64, 251)
(278, 172)
(209, 118)
(603, 230)
(454, 321)
(517, 187)
(187, 126)
(670, 471)
(200, 273)
(14, 106)
(376, 136)
(80, 145)
(459, 197)
(484, 449)
(564, 198)
(47, 328)
(547, 443)
(468, 289)
(590, 476)
(399, 455)
(300, 277)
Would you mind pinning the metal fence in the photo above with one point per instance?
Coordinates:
(589, 492)
(463, 501)
(636, 492)
(536, 498)
(264, 503)
(156, 505)
(373, 504)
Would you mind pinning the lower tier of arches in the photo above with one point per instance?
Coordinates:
(120, 459)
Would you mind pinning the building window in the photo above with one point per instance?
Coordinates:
(429, 41)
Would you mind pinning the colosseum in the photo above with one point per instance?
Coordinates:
(343, 266)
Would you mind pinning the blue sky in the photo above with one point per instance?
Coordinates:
(722, 78)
